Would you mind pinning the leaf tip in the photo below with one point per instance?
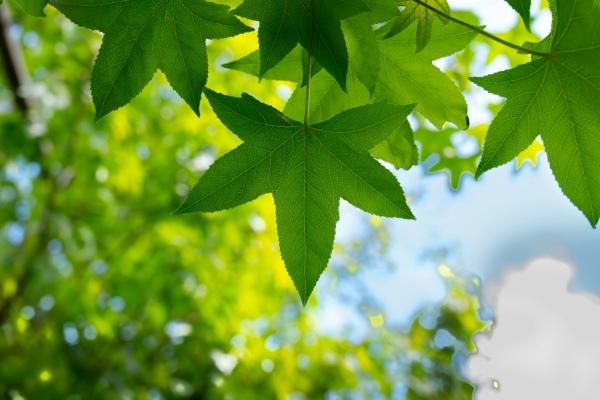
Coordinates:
(474, 79)
(480, 171)
(178, 212)
(229, 65)
(304, 301)
(98, 116)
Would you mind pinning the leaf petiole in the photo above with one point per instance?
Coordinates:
(482, 32)
(309, 66)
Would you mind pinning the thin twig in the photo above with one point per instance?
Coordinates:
(482, 32)
(309, 63)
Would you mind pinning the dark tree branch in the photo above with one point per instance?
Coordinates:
(12, 60)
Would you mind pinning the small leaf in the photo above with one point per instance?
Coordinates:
(307, 169)
(414, 11)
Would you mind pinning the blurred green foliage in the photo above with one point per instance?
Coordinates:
(105, 295)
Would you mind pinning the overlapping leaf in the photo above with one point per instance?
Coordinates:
(399, 149)
(141, 36)
(291, 68)
(363, 50)
(307, 169)
(558, 98)
(404, 77)
(285, 23)
(414, 11)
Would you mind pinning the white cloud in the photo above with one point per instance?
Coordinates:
(545, 343)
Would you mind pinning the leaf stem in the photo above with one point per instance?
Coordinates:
(309, 66)
(481, 31)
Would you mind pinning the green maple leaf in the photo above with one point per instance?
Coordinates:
(32, 7)
(141, 36)
(307, 169)
(285, 23)
(523, 7)
(558, 98)
(414, 11)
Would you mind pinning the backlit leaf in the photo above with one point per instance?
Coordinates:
(307, 169)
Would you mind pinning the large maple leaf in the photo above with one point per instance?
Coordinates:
(307, 169)
(285, 23)
(141, 36)
(556, 97)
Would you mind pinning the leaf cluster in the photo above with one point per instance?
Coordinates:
(360, 67)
